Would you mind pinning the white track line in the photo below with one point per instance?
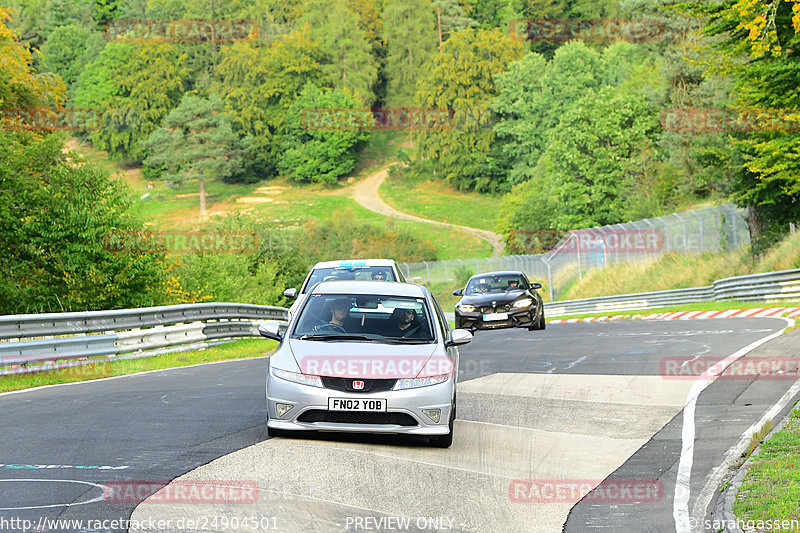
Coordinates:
(714, 479)
(680, 502)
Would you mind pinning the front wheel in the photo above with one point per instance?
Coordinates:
(272, 432)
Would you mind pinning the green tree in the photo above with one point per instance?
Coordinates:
(757, 42)
(349, 64)
(317, 147)
(69, 49)
(56, 218)
(195, 143)
(462, 79)
(20, 88)
(524, 115)
(411, 42)
(258, 84)
(594, 152)
(134, 86)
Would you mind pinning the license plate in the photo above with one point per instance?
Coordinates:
(357, 404)
(495, 316)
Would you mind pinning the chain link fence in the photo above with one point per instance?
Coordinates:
(575, 252)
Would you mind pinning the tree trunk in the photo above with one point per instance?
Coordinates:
(754, 223)
(202, 196)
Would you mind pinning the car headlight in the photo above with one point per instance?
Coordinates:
(466, 308)
(294, 377)
(525, 302)
(415, 383)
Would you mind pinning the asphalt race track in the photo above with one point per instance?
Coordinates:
(582, 407)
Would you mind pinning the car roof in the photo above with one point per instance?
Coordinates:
(345, 263)
(387, 288)
(499, 273)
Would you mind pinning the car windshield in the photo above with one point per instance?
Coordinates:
(350, 273)
(382, 318)
(496, 283)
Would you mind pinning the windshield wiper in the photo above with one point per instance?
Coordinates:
(406, 341)
(334, 336)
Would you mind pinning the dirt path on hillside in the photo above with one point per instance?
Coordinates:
(366, 193)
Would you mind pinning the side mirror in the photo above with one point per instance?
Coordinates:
(290, 293)
(459, 337)
(536, 286)
(459, 292)
(271, 329)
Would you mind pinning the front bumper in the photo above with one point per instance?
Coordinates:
(517, 318)
(403, 416)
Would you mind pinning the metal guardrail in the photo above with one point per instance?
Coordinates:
(767, 287)
(68, 339)
(95, 334)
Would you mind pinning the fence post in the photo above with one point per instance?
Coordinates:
(578, 251)
(445, 270)
(428, 270)
(549, 279)
(683, 223)
(700, 228)
(735, 229)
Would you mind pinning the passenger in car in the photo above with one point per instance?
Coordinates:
(404, 323)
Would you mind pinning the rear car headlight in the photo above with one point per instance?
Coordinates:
(294, 377)
(415, 383)
(525, 302)
(466, 308)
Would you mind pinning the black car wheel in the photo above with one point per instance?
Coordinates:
(540, 324)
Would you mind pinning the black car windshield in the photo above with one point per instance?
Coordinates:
(496, 283)
(349, 273)
(382, 318)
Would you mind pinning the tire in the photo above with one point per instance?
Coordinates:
(445, 441)
(540, 324)
(272, 432)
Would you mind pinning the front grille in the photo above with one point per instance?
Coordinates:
(486, 309)
(370, 385)
(356, 417)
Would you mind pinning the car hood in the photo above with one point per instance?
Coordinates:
(489, 297)
(370, 360)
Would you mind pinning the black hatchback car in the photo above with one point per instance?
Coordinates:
(496, 300)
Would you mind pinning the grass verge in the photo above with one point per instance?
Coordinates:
(710, 306)
(771, 488)
(240, 349)
(435, 200)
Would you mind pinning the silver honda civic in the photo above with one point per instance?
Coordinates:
(368, 357)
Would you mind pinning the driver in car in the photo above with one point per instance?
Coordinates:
(340, 310)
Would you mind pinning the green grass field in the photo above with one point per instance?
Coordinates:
(239, 349)
(435, 201)
(771, 488)
(283, 201)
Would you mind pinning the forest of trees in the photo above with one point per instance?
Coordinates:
(570, 131)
